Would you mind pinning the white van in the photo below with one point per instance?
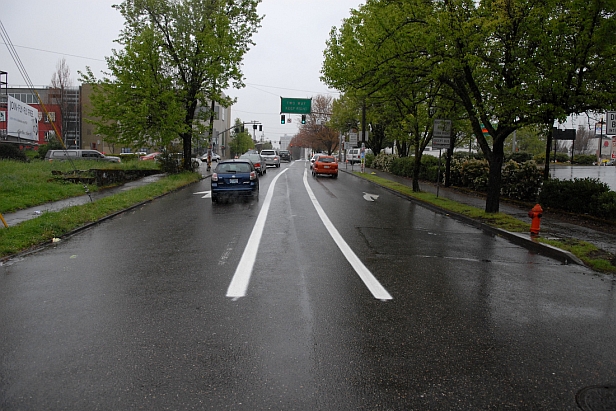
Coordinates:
(354, 155)
(63, 155)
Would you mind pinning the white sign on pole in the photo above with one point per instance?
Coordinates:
(353, 139)
(440, 142)
(442, 128)
(23, 120)
(611, 123)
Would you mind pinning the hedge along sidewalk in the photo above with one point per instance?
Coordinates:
(504, 225)
(30, 234)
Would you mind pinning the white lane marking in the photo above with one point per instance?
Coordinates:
(241, 278)
(370, 197)
(208, 194)
(377, 290)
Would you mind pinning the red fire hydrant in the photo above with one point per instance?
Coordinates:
(536, 213)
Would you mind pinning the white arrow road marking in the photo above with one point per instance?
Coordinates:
(208, 194)
(370, 197)
(241, 278)
(377, 290)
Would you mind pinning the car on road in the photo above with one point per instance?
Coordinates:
(257, 161)
(215, 157)
(325, 165)
(271, 157)
(285, 155)
(235, 178)
(314, 157)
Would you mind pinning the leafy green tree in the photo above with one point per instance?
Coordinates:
(515, 63)
(178, 55)
(241, 141)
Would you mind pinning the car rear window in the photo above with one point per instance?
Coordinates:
(234, 168)
(268, 152)
(325, 160)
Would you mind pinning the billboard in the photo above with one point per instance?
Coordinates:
(22, 120)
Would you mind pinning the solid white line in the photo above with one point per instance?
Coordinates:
(241, 278)
(377, 290)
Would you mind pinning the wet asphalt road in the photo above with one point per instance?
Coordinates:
(136, 313)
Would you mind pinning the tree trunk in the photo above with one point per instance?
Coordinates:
(416, 170)
(495, 176)
(548, 147)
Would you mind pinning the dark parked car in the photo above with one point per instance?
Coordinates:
(237, 178)
(285, 155)
(257, 161)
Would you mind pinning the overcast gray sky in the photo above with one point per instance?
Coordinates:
(285, 62)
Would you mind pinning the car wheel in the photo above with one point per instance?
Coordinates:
(278, 165)
(264, 170)
(335, 175)
(214, 198)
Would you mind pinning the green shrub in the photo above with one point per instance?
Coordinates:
(521, 181)
(12, 152)
(369, 160)
(606, 205)
(560, 158)
(580, 195)
(584, 159)
(429, 168)
(383, 161)
(402, 166)
(519, 157)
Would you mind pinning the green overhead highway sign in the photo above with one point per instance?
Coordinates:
(295, 105)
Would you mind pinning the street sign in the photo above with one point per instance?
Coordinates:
(295, 105)
(353, 139)
(442, 128)
(440, 142)
(611, 123)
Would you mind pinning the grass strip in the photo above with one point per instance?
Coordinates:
(54, 224)
(592, 256)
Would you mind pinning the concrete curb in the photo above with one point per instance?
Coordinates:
(523, 240)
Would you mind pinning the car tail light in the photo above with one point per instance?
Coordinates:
(253, 175)
(276, 158)
(214, 177)
(258, 165)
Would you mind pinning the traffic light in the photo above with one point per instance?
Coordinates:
(260, 127)
(282, 119)
(254, 126)
(303, 119)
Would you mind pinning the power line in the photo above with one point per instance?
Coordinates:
(54, 52)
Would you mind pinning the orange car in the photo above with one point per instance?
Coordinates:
(325, 165)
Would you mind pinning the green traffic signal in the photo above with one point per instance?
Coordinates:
(282, 119)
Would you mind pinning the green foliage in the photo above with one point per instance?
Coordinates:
(519, 157)
(521, 181)
(560, 158)
(584, 159)
(370, 160)
(12, 152)
(383, 162)
(175, 56)
(580, 196)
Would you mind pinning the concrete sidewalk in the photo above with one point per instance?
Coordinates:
(551, 226)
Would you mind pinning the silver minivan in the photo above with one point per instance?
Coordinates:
(354, 155)
(63, 155)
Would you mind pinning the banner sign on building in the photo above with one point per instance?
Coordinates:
(22, 120)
